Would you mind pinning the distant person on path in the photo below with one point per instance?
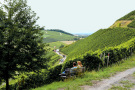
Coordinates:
(64, 56)
(61, 60)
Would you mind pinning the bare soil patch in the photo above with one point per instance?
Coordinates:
(121, 23)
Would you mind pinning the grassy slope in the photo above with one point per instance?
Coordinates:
(53, 58)
(57, 44)
(99, 40)
(89, 76)
(53, 36)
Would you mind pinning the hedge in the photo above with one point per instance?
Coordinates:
(39, 79)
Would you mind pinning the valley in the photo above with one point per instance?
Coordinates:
(33, 57)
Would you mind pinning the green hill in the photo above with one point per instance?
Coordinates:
(120, 32)
(54, 35)
(129, 16)
(99, 40)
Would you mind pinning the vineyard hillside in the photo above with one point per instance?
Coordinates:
(99, 40)
(54, 35)
(121, 31)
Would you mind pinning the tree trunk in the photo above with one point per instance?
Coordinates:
(7, 82)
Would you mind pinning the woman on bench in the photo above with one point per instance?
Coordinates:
(79, 64)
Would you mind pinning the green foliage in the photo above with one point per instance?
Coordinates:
(41, 78)
(99, 40)
(52, 58)
(54, 35)
(130, 16)
(61, 46)
(90, 62)
(21, 46)
(132, 24)
(91, 59)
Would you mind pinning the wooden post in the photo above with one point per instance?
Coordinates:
(108, 60)
(99, 63)
(104, 57)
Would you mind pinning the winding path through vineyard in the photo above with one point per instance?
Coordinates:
(107, 83)
(64, 58)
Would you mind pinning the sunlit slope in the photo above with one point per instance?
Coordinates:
(126, 21)
(99, 40)
(57, 35)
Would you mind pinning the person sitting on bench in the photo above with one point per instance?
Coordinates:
(73, 69)
(79, 67)
(79, 64)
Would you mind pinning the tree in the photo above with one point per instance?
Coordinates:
(21, 47)
(61, 46)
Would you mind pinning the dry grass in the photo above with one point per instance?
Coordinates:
(68, 42)
(121, 23)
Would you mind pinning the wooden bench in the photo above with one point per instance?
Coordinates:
(67, 74)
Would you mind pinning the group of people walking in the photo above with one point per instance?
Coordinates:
(63, 59)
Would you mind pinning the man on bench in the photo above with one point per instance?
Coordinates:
(73, 69)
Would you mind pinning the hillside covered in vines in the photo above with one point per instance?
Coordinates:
(99, 40)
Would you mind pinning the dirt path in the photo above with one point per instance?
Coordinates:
(107, 83)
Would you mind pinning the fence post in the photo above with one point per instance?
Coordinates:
(104, 57)
(108, 60)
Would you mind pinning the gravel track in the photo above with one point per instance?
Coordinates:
(105, 84)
